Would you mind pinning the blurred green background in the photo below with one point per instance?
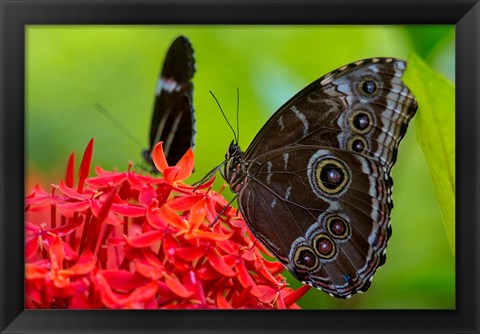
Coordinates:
(72, 68)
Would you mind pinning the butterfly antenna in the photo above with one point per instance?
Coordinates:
(225, 117)
(119, 125)
(238, 118)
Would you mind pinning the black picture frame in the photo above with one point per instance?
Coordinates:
(15, 15)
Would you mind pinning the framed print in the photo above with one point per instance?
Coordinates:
(188, 166)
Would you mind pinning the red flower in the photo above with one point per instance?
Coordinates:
(127, 240)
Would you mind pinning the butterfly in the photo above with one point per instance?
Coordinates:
(173, 118)
(314, 186)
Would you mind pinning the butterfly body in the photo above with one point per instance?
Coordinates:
(173, 119)
(315, 187)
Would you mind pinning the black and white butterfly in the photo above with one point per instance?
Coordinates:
(314, 186)
(173, 118)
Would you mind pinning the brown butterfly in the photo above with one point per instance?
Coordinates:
(315, 187)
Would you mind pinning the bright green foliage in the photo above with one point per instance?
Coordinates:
(435, 128)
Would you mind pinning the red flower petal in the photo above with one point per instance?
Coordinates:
(109, 298)
(57, 253)
(199, 234)
(68, 228)
(243, 297)
(85, 263)
(116, 242)
(112, 219)
(248, 255)
(158, 157)
(228, 247)
(33, 271)
(171, 174)
(170, 244)
(163, 191)
(70, 192)
(184, 203)
(81, 302)
(147, 195)
(154, 218)
(193, 283)
(146, 239)
(197, 215)
(211, 212)
(69, 177)
(274, 267)
(244, 276)
(107, 180)
(99, 209)
(143, 293)
(171, 217)
(85, 165)
(149, 271)
(123, 280)
(70, 208)
(281, 303)
(37, 199)
(31, 247)
(178, 288)
(167, 296)
(222, 302)
(207, 184)
(70, 253)
(107, 204)
(264, 293)
(190, 253)
(238, 223)
(186, 165)
(128, 210)
(207, 273)
(32, 229)
(296, 295)
(267, 275)
(219, 264)
(139, 180)
(152, 258)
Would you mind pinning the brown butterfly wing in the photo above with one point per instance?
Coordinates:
(286, 208)
(317, 188)
(324, 111)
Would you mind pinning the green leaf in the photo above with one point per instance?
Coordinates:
(435, 129)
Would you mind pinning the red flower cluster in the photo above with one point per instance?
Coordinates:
(126, 240)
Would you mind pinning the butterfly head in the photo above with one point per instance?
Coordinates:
(233, 150)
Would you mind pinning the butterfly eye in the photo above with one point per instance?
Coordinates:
(324, 246)
(331, 176)
(369, 87)
(337, 227)
(361, 121)
(357, 144)
(305, 258)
